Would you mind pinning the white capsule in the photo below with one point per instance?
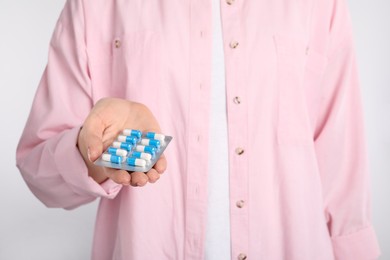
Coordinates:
(159, 137)
(151, 142)
(147, 149)
(111, 158)
(121, 138)
(153, 135)
(132, 132)
(120, 145)
(136, 162)
(141, 155)
(106, 157)
(127, 139)
(117, 151)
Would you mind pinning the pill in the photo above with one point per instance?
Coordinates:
(132, 132)
(148, 149)
(127, 139)
(141, 155)
(152, 135)
(136, 162)
(151, 142)
(111, 158)
(117, 151)
(121, 145)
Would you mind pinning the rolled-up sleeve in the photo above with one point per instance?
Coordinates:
(47, 155)
(341, 147)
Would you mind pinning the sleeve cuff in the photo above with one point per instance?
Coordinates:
(73, 170)
(360, 245)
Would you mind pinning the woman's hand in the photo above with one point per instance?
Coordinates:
(106, 120)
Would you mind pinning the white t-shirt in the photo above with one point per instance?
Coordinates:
(217, 245)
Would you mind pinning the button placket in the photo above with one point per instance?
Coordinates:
(237, 119)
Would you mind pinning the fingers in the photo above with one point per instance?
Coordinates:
(118, 176)
(138, 179)
(153, 175)
(161, 164)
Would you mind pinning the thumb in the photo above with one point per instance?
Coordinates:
(94, 146)
(93, 137)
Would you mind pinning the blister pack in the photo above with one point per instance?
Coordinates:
(134, 151)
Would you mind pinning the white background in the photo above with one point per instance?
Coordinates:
(30, 231)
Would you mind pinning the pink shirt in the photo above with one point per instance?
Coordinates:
(299, 177)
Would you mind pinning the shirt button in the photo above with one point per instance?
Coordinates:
(241, 256)
(117, 44)
(229, 2)
(240, 204)
(233, 44)
(239, 151)
(237, 100)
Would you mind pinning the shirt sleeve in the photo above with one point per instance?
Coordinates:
(47, 155)
(341, 148)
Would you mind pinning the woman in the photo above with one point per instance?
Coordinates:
(293, 171)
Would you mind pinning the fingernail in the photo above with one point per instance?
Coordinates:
(89, 154)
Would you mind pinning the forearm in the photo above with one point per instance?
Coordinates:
(56, 173)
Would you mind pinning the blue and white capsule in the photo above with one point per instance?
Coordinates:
(151, 142)
(117, 151)
(125, 146)
(153, 135)
(132, 132)
(141, 155)
(146, 149)
(112, 158)
(132, 161)
(127, 139)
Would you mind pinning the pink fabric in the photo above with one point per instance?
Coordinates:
(303, 176)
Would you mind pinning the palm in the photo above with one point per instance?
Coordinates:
(114, 115)
(106, 120)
